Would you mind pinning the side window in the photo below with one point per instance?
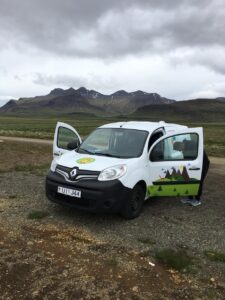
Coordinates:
(177, 147)
(65, 136)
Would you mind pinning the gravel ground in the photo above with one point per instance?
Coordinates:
(75, 255)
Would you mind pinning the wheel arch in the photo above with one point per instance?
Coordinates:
(133, 205)
(144, 185)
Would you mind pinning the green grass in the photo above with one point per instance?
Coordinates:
(175, 259)
(44, 127)
(37, 215)
(215, 256)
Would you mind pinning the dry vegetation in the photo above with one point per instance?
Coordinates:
(24, 157)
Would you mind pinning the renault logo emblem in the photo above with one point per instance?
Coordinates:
(73, 173)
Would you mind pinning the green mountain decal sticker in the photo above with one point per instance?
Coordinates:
(175, 183)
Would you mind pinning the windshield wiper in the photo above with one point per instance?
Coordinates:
(86, 151)
(100, 153)
(107, 154)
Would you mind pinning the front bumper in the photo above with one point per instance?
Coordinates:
(96, 196)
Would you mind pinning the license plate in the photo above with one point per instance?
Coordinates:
(69, 192)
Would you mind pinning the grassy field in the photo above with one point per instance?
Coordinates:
(44, 128)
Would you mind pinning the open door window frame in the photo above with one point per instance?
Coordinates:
(57, 151)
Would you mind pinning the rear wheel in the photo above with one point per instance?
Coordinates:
(134, 203)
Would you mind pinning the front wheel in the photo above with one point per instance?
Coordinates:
(134, 203)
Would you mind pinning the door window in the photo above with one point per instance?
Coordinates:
(177, 147)
(65, 136)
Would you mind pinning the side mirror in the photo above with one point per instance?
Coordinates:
(73, 144)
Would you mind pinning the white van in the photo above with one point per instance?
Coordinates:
(119, 165)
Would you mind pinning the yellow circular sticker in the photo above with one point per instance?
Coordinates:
(85, 160)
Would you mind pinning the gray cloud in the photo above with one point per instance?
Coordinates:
(59, 80)
(210, 57)
(90, 80)
(212, 90)
(108, 35)
(112, 28)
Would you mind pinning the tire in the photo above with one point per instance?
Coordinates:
(133, 205)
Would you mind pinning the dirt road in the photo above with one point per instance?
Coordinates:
(25, 140)
(49, 252)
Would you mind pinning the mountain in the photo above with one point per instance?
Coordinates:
(82, 100)
(176, 175)
(221, 98)
(137, 105)
(197, 110)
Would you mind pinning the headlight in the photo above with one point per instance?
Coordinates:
(112, 173)
(53, 166)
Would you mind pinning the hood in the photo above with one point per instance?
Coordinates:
(89, 162)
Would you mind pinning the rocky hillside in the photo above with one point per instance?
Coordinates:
(198, 110)
(82, 100)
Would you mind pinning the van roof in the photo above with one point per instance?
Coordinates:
(143, 125)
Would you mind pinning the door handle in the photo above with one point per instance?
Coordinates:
(194, 169)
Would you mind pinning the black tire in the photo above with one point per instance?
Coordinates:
(133, 205)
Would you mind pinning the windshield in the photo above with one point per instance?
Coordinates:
(114, 142)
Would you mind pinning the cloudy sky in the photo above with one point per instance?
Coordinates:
(175, 48)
